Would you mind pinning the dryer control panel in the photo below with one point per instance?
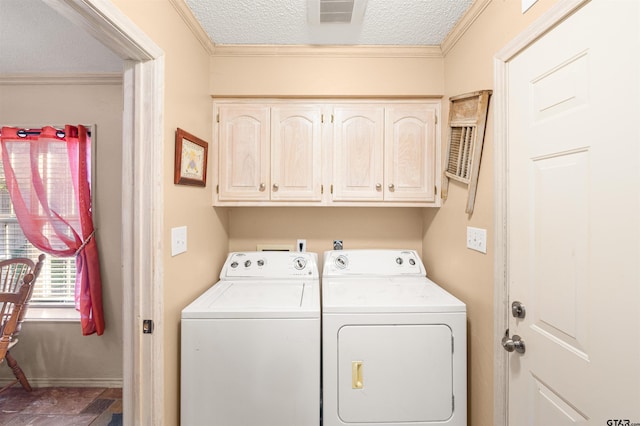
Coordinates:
(270, 265)
(343, 263)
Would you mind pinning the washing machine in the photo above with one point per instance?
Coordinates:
(250, 344)
(394, 343)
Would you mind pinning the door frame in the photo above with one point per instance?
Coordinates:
(556, 14)
(142, 200)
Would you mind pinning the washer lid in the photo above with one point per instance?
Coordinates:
(257, 299)
(387, 294)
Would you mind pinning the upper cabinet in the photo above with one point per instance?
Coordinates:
(324, 152)
(410, 153)
(244, 157)
(296, 153)
(269, 153)
(358, 153)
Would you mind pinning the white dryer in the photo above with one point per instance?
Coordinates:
(394, 343)
(250, 346)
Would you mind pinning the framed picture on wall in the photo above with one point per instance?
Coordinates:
(191, 160)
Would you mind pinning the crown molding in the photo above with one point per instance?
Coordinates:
(187, 16)
(368, 51)
(470, 16)
(98, 79)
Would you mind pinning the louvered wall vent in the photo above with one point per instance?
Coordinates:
(460, 152)
(336, 11)
(467, 121)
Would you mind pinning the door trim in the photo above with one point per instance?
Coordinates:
(542, 25)
(142, 200)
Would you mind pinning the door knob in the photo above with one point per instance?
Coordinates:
(514, 343)
(275, 187)
(392, 187)
(262, 187)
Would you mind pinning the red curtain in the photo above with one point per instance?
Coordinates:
(48, 179)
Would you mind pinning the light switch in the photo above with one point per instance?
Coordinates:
(178, 240)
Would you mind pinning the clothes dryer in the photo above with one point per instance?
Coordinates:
(394, 343)
(250, 346)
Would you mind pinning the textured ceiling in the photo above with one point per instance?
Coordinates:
(284, 22)
(36, 39)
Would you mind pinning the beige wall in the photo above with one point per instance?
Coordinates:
(57, 352)
(327, 72)
(465, 273)
(357, 227)
(191, 76)
(187, 106)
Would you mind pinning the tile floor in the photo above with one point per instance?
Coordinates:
(61, 406)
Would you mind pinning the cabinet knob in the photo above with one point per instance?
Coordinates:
(275, 187)
(262, 187)
(378, 186)
(392, 187)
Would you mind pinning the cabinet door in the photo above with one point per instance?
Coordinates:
(296, 156)
(410, 153)
(244, 153)
(358, 153)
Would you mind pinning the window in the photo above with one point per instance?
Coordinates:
(56, 284)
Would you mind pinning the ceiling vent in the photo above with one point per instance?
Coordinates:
(336, 11)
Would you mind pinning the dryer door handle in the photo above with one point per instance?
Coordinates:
(356, 375)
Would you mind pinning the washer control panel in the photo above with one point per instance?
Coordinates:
(372, 262)
(270, 264)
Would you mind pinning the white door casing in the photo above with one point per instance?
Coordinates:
(142, 271)
(567, 198)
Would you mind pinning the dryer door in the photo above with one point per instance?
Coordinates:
(395, 373)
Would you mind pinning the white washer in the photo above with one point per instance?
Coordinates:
(251, 344)
(394, 343)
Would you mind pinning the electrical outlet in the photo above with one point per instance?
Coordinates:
(302, 246)
(477, 239)
(178, 240)
(337, 245)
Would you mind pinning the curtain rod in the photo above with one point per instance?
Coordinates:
(59, 132)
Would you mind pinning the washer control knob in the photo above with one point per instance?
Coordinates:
(412, 262)
(299, 263)
(260, 262)
(341, 262)
(247, 263)
(399, 260)
(234, 264)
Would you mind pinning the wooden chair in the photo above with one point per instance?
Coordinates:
(13, 276)
(12, 305)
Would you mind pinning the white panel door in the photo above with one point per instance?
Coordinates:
(358, 153)
(410, 153)
(574, 220)
(296, 156)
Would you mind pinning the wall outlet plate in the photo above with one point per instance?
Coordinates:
(477, 239)
(178, 240)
